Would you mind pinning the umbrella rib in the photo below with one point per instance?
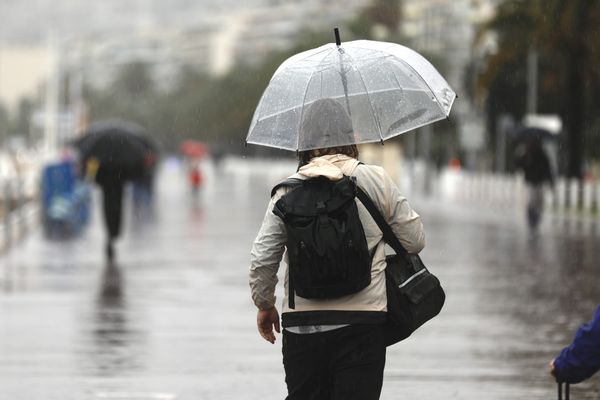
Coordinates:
(302, 112)
(370, 103)
(437, 101)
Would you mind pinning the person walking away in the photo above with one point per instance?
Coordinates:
(333, 348)
(581, 359)
(534, 162)
(111, 182)
(195, 179)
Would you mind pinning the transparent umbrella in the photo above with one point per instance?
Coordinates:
(387, 89)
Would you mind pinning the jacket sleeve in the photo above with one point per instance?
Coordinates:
(403, 220)
(265, 256)
(581, 359)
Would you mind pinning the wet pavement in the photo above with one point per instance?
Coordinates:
(173, 319)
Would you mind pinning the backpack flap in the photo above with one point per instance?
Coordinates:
(316, 196)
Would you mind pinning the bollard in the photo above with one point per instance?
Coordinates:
(561, 195)
(573, 195)
(21, 209)
(520, 192)
(597, 197)
(588, 196)
(8, 201)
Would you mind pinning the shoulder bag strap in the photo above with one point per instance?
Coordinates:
(388, 235)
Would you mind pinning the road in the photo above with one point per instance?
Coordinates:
(173, 319)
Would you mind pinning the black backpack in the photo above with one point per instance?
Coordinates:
(327, 249)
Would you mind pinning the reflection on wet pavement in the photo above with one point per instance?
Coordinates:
(172, 318)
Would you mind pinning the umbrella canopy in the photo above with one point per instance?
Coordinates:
(193, 148)
(118, 146)
(525, 133)
(386, 89)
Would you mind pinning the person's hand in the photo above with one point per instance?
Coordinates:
(266, 320)
(552, 368)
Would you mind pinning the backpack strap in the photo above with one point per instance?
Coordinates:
(388, 235)
(290, 182)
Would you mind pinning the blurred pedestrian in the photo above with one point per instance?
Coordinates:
(581, 359)
(195, 177)
(114, 152)
(532, 159)
(333, 348)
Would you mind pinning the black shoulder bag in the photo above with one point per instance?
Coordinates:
(414, 295)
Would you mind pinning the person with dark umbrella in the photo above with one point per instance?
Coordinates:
(532, 159)
(113, 153)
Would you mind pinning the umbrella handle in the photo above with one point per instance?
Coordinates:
(336, 32)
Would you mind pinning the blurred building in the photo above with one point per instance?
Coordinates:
(22, 69)
(42, 45)
(211, 41)
(445, 31)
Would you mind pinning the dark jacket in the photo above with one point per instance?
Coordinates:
(581, 359)
(535, 165)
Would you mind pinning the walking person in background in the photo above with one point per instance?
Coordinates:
(195, 177)
(581, 359)
(333, 347)
(534, 162)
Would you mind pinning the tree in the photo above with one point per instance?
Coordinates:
(215, 110)
(564, 33)
(386, 14)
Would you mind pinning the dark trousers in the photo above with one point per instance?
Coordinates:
(343, 364)
(113, 205)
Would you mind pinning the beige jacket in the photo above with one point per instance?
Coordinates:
(269, 245)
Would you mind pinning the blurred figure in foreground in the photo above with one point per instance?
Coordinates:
(333, 339)
(535, 164)
(581, 359)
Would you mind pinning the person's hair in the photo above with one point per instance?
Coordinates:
(325, 122)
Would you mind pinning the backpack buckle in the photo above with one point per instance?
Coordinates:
(321, 207)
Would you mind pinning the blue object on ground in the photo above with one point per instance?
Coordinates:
(65, 200)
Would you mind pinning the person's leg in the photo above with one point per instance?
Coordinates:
(112, 194)
(359, 362)
(535, 205)
(113, 201)
(306, 363)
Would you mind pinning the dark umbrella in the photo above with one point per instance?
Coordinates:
(119, 148)
(526, 133)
